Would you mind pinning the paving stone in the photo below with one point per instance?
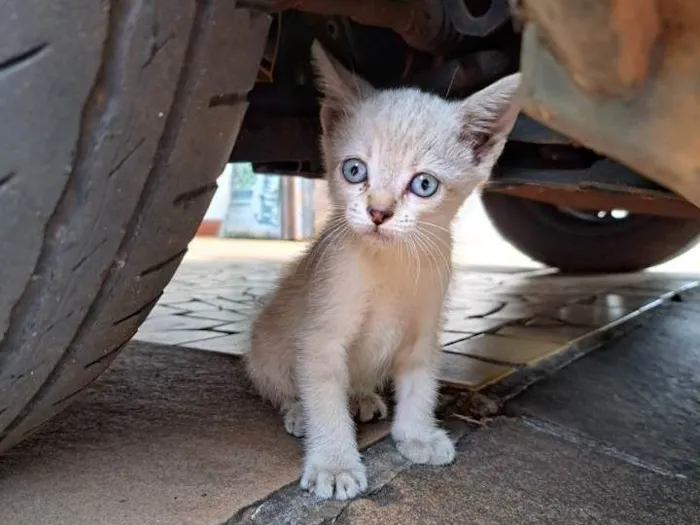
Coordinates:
(194, 305)
(630, 291)
(640, 395)
(542, 321)
(507, 350)
(476, 326)
(170, 435)
(661, 283)
(516, 312)
(258, 291)
(468, 307)
(511, 474)
(536, 309)
(447, 338)
(236, 327)
(623, 302)
(160, 310)
(555, 334)
(233, 344)
(218, 314)
(558, 300)
(168, 323)
(242, 306)
(165, 436)
(177, 300)
(461, 371)
(589, 315)
(175, 337)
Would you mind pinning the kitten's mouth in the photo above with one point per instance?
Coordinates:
(378, 233)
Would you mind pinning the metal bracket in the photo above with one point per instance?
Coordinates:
(605, 186)
(467, 24)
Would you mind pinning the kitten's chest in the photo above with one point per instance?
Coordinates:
(405, 290)
(393, 320)
(385, 329)
(399, 307)
(398, 301)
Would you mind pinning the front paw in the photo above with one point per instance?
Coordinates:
(328, 479)
(434, 448)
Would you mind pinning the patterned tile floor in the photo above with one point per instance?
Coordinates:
(500, 320)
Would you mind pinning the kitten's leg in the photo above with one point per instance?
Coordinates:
(293, 417)
(332, 465)
(414, 429)
(368, 405)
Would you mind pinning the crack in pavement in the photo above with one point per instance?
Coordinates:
(293, 506)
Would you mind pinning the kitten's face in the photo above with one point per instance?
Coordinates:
(401, 162)
(395, 165)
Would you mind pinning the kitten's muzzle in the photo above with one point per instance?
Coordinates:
(379, 215)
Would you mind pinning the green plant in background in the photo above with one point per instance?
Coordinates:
(270, 202)
(243, 176)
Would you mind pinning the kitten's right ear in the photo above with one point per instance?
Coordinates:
(340, 88)
(488, 116)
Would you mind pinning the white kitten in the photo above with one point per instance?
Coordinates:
(364, 305)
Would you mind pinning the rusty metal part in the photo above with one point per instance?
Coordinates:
(604, 185)
(266, 69)
(653, 127)
(557, 165)
(531, 131)
(300, 142)
(605, 45)
(459, 77)
(421, 28)
(581, 197)
(458, 11)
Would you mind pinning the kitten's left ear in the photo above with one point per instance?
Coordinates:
(340, 87)
(488, 116)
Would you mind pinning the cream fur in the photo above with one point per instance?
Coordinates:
(362, 308)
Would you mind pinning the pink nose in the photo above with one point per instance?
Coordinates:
(379, 216)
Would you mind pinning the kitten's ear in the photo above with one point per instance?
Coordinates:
(488, 116)
(340, 87)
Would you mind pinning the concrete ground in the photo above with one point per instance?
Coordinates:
(172, 433)
(171, 436)
(613, 438)
(500, 322)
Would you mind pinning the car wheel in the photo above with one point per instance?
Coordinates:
(116, 118)
(593, 242)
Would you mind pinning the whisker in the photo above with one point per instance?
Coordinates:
(449, 86)
(432, 251)
(444, 242)
(328, 236)
(433, 225)
(431, 240)
(447, 265)
(414, 251)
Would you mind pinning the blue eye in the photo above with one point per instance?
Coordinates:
(424, 185)
(354, 171)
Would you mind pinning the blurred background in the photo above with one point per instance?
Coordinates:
(269, 208)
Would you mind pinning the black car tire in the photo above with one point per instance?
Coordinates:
(116, 118)
(562, 240)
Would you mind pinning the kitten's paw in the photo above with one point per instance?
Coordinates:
(328, 481)
(294, 420)
(435, 449)
(367, 407)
